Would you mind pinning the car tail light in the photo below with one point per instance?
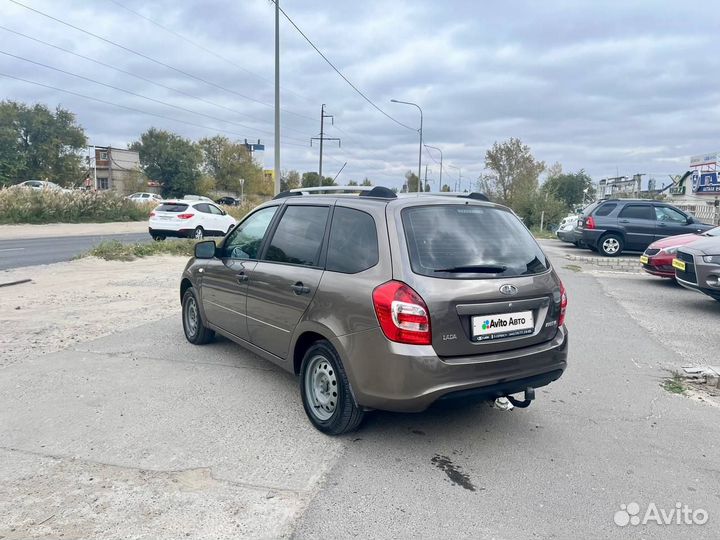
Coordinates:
(185, 216)
(402, 313)
(563, 305)
(590, 223)
(152, 214)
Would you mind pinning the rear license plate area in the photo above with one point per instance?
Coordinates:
(502, 325)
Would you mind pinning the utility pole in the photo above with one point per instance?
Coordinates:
(276, 172)
(441, 163)
(322, 136)
(421, 136)
(425, 182)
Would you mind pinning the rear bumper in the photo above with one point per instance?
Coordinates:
(590, 237)
(566, 236)
(181, 233)
(409, 378)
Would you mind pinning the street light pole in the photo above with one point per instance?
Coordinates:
(277, 98)
(441, 166)
(421, 136)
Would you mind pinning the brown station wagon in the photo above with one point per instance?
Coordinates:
(384, 302)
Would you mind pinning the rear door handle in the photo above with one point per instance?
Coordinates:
(624, 221)
(299, 288)
(242, 277)
(661, 225)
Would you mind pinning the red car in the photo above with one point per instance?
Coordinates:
(658, 257)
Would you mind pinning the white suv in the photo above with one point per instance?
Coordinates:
(144, 197)
(192, 219)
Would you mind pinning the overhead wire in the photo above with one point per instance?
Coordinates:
(207, 50)
(133, 109)
(130, 92)
(156, 61)
(145, 79)
(371, 102)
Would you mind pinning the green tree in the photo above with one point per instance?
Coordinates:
(310, 179)
(352, 183)
(327, 181)
(412, 182)
(366, 182)
(514, 174)
(427, 187)
(227, 162)
(445, 188)
(290, 180)
(570, 188)
(173, 161)
(36, 143)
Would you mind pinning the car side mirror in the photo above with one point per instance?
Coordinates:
(205, 250)
(690, 220)
(224, 213)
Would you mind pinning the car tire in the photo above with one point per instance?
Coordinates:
(325, 391)
(610, 245)
(198, 233)
(193, 325)
(158, 237)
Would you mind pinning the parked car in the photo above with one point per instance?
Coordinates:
(197, 198)
(614, 225)
(383, 302)
(193, 219)
(697, 266)
(658, 257)
(566, 229)
(228, 201)
(40, 185)
(143, 198)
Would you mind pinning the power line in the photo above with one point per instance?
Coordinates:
(371, 102)
(158, 62)
(203, 48)
(133, 109)
(140, 77)
(178, 107)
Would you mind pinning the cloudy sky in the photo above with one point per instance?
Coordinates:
(605, 86)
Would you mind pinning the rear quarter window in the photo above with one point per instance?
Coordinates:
(353, 244)
(605, 209)
(470, 241)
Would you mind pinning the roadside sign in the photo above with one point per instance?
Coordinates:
(704, 159)
(706, 182)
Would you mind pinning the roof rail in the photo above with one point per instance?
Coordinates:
(330, 189)
(284, 194)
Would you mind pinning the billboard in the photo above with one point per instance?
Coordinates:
(706, 182)
(704, 159)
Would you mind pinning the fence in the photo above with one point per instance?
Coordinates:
(704, 212)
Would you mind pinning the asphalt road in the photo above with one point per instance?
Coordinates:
(141, 434)
(33, 251)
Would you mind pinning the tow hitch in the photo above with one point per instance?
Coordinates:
(508, 402)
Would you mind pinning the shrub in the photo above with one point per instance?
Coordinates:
(117, 251)
(18, 205)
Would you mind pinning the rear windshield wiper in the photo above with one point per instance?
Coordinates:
(474, 268)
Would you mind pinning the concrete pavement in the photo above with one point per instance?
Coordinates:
(143, 435)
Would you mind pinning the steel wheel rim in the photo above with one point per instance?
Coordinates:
(198, 233)
(321, 387)
(192, 317)
(611, 245)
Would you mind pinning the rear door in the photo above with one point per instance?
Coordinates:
(284, 282)
(639, 223)
(486, 282)
(670, 222)
(225, 281)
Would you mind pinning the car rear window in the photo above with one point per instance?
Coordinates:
(605, 209)
(172, 207)
(638, 211)
(464, 241)
(353, 244)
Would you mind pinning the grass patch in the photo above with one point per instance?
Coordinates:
(543, 234)
(573, 267)
(674, 384)
(117, 251)
(20, 205)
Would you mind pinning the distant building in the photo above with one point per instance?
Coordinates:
(699, 187)
(619, 186)
(115, 169)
